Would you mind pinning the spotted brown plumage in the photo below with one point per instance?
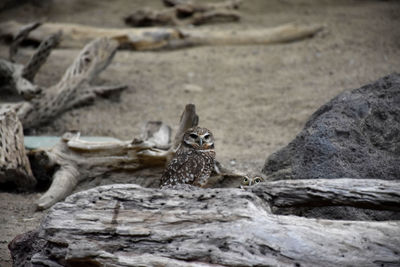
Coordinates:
(193, 161)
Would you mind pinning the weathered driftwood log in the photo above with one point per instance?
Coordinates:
(74, 88)
(187, 13)
(40, 56)
(75, 36)
(14, 164)
(127, 225)
(74, 160)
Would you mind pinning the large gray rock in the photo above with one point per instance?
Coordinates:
(356, 134)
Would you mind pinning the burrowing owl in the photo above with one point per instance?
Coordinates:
(193, 161)
(249, 181)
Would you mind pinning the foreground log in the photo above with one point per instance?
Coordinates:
(127, 225)
(14, 164)
(185, 13)
(76, 36)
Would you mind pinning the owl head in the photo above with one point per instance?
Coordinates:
(249, 181)
(198, 138)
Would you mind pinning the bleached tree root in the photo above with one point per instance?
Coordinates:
(74, 88)
(127, 225)
(76, 36)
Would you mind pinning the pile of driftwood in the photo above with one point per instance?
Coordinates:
(39, 105)
(130, 225)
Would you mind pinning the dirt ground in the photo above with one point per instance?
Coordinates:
(255, 99)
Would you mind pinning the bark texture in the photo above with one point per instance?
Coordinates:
(14, 164)
(127, 225)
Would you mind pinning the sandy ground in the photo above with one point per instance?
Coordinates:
(254, 98)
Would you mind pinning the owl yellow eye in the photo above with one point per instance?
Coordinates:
(257, 180)
(207, 136)
(245, 181)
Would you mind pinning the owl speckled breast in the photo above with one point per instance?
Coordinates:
(193, 161)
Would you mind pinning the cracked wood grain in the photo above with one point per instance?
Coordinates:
(127, 225)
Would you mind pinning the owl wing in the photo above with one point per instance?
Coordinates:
(185, 168)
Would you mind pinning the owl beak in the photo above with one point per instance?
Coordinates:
(201, 142)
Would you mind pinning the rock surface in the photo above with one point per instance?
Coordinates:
(127, 225)
(356, 134)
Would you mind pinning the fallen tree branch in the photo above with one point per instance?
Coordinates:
(127, 225)
(20, 36)
(40, 56)
(17, 78)
(75, 36)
